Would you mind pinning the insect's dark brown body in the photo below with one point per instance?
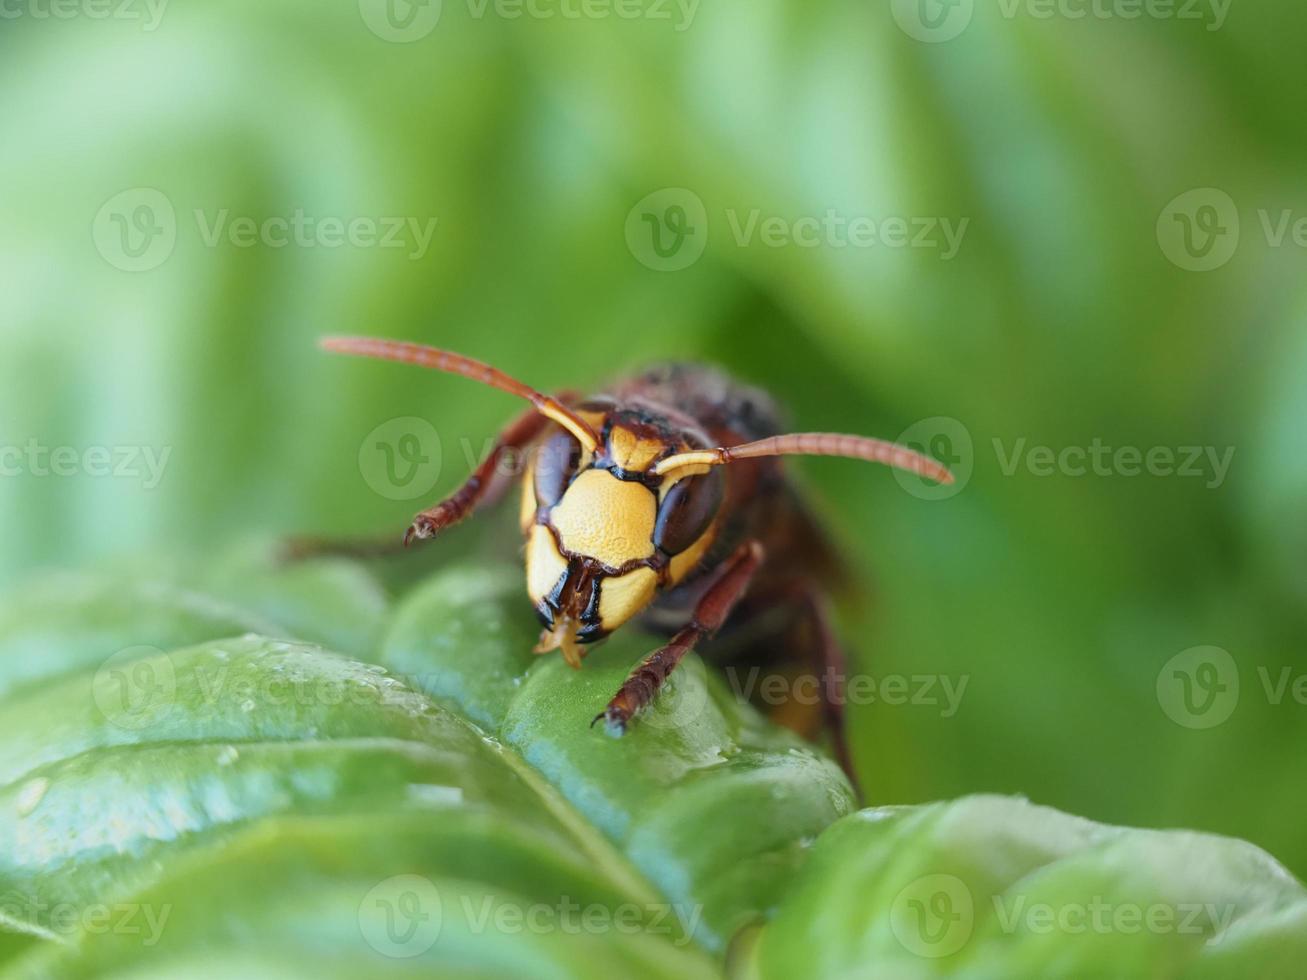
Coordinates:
(630, 509)
(759, 501)
(781, 624)
(772, 625)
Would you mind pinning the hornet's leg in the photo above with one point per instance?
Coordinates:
(521, 432)
(481, 487)
(828, 655)
(817, 656)
(709, 614)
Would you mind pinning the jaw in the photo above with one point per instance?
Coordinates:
(562, 637)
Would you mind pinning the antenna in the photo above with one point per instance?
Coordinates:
(814, 444)
(451, 363)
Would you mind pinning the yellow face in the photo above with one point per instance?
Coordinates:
(604, 521)
(604, 535)
(606, 518)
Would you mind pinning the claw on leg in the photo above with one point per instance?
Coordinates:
(431, 522)
(615, 720)
(416, 532)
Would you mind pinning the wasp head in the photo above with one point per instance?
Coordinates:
(605, 531)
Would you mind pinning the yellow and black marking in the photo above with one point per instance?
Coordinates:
(604, 533)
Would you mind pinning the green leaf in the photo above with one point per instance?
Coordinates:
(332, 601)
(261, 806)
(713, 805)
(166, 786)
(997, 887)
(298, 897)
(69, 621)
(259, 792)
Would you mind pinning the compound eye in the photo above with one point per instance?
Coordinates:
(559, 458)
(686, 511)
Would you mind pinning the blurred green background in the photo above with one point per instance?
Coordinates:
(1074, 313)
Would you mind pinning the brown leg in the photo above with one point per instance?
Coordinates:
(480, 486)
(794, 621)
(709, 614)
(828, 656)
